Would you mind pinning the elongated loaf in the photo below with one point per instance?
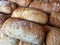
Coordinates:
(31, 15)
(7, 7)
(24, 30)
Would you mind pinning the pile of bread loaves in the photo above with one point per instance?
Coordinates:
(29, 22)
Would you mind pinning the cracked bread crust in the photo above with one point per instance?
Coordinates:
(24, 30)
(30, 14)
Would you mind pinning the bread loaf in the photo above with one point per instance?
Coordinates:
(7, 7)
(55, 19)
(53, 37)
(24, 30)
(31, 15)
(48, 7)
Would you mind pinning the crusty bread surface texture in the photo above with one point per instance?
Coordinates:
(24, 30)
(31, 15)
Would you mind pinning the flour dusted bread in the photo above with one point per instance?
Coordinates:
(48, 7)
(30, 14)
(53, 37)
(24, 3)
(7, 7)
(24, 30)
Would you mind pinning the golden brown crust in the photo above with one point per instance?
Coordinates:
(53, 37)
(24, 30)
(48, 7)
(7, 7)
(55, 19)
(24, 3)
(31, 15)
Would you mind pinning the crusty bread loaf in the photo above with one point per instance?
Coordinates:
(55, 19)
(53, 37)
(24, 3)
(24, 30)
(7, 7)
(48, 7)
(31, 15)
